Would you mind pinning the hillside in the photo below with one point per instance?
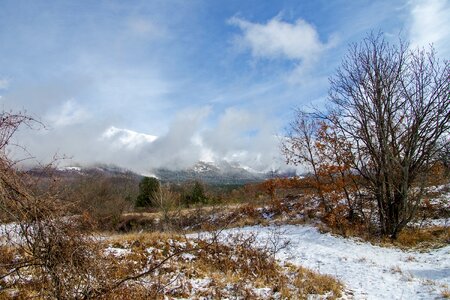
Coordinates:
(222, 173)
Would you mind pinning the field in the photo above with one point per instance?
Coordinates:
(243, 242)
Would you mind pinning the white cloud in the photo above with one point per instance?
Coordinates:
(70, 113)
(237, 136)
(244, 137)
(297, 41)
(430, 24)
(127, 138)
(206, 154)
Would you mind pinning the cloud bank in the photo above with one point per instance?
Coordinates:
(238, 136)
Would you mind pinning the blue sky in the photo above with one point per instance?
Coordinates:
(145, 84)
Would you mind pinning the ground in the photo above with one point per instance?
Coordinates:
(416, 266)
(367, 271)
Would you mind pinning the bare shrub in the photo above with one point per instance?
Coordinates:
(168, 202)
(43, 253)
(51, 258)
(101, 200)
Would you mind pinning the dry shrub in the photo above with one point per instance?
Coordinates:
(445, 293)
(431, 237)
(240, 258)
(438, 174)
(232, 270)
(338, 222)
(101, 200)
(278, 207)
(136, 222)
(435, 204)
(249, 210)
(43, 253)
(309, 282)
(51, 258)
(206, 218)
(168, 204)
(177, 220)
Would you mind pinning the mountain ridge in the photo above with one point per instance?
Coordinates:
(221, 173)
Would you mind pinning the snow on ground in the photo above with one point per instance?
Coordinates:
(10, 234)
(442, 222)
(438, 188)
(368, 272)
(117, 252)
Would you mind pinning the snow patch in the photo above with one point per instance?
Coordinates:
(117, 252)
(368, 271)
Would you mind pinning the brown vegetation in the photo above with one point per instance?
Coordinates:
(233, 270)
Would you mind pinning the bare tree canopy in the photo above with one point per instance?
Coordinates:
(390, 105)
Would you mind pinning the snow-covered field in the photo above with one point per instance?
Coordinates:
(368, 272)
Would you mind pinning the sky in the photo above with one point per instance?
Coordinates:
(148, 84)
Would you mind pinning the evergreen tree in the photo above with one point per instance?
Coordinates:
(147, 188)
(195, 195)
(198, 193)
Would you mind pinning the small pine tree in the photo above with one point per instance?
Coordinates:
(147, 188)
(196, 195)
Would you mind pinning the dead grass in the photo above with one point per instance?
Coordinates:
(445, 294)
(217, 217)
(235, 270)
(422, 238)
(309, 282)
(291, 211)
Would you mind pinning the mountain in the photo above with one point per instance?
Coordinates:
(211, 173)
(71, 172)
(221, 173)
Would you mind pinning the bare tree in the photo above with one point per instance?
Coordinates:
(314, 143)
(300, 148)
(166, 201)
(391, 104)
